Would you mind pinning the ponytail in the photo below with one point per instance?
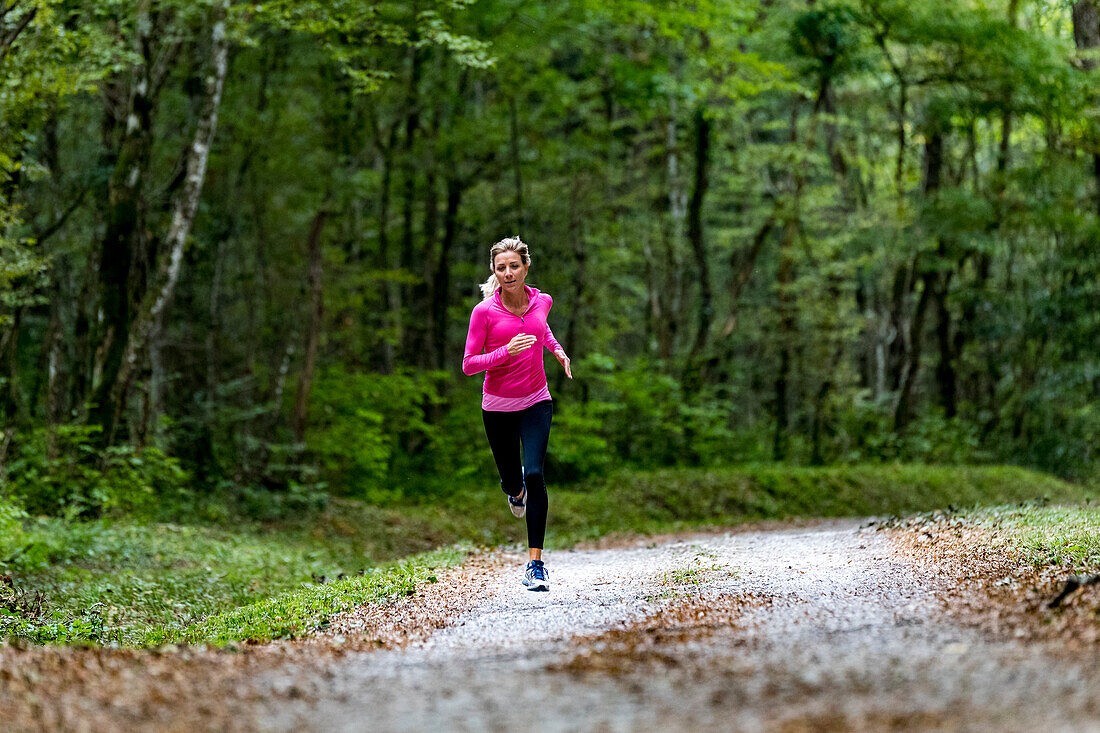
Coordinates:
(489, 287)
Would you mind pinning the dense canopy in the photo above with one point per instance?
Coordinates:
(239, 242)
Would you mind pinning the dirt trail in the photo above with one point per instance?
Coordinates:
(809, 629)
(821, 628)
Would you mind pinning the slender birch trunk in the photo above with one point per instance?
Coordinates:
(148, 324)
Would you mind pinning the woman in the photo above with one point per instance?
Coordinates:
(508, 329)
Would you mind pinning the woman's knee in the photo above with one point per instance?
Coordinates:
(534, 481)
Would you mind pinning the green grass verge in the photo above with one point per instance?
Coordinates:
(297, 613)
(1065, 536)
(136, 585)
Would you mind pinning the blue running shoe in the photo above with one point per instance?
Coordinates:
(535, 576)
(518, 504)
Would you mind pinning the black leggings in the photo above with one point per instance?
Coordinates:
(506, 432)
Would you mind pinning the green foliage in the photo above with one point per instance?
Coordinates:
(644, 418)
(867, 434)
(829, 38)
(12, 537)
(638, 501)
(579, 442)
(366, 426)
(264, 504)
(53, 56)
(350, 33)
(811, 240)
(63, 471)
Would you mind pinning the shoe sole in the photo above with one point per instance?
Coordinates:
(536, 584)
(517, 511)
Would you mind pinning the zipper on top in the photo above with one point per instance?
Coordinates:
(522, 320)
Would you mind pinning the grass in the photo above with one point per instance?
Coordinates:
(703, 568)
(139, 585)
(682, 499)
(1065, 536)
(291, 615)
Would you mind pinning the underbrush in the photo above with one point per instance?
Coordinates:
(120, 582)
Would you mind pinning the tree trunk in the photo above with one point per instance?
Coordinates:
(827, 101)
(313, 334)
(677, 197)
(83, 353)
(147, 324)
(698, 245)
(899, 167)
(657, 322)
(12, 406)
(946, 375)
(393, 296)
(933, 176)
(441, 279)
(817, 456)
(742, 266)
(213, 332)
(122, 285)
(787, 304)
(665, 279)
(580, 277)
(398, 296)
(45, 373)
(1086, 34)
(903, 411)
(10, 30)
(784, 278)
(517, 172)
(425, 293)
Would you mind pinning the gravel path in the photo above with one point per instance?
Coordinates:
(829, 630)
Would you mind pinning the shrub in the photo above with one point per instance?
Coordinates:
(368, 428)
(866, 434)
(12, 537)
(63, 471)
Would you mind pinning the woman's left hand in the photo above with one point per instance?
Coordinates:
(564, 360)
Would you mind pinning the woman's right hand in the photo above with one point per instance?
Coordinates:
(520, 343)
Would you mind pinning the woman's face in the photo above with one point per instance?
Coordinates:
(510, 271)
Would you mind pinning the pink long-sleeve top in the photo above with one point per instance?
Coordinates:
(512, 383)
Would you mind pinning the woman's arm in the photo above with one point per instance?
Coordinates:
(473, 361)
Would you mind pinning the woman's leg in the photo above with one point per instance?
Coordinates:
(502, 430)
(534, 430)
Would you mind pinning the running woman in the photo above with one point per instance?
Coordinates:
(508, 329)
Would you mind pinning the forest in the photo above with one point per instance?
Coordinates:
(240, 242)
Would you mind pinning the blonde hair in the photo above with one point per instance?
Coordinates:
(511, 244)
